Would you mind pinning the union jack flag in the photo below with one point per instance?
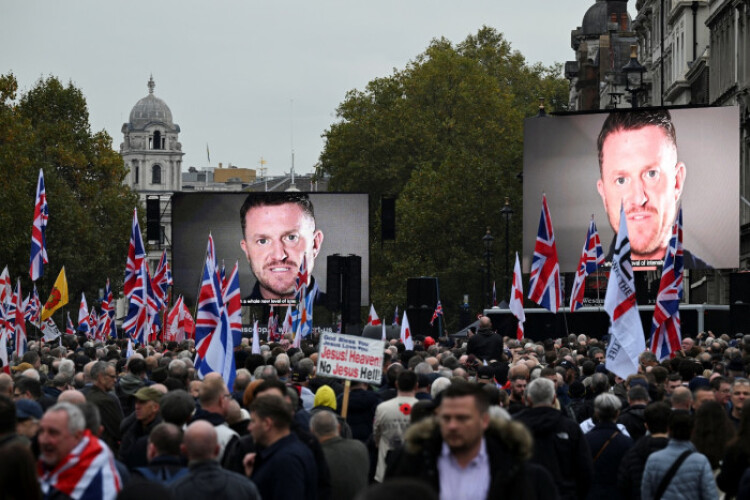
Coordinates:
(544, 279)
(395, 317)
(15, 320)
(592, 256)
(136, 254)
(108, 308)
(438, 312)
(162, 281)
(89, 471)
(70, 329)
(215, 351)
(39, 227)
(665, 328)
(137, 325)
(209, 299)
(33, 309)
(223, 276)
(94, 325)
(273, 335)
(302, 277)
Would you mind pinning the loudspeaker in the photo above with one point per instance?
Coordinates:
(153, 216)
(388, 218)
(421, 292)
(739, 318)
(739, 288)
(333, 282)
(344, 289)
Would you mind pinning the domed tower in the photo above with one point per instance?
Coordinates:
(150, 148)
(152, 153)
(602, 46)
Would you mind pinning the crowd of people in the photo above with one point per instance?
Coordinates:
(454, 418)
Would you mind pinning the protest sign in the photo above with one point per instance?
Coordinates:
(350, 358)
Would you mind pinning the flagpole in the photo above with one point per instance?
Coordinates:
(440, 320)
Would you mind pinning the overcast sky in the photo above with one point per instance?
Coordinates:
(253, 79)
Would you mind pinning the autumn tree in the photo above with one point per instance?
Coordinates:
(444, 135)
(90, 208)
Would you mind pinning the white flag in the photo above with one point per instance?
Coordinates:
(256, 338)
(516, 298)
(627, 340)
(50, 330)
(406, 334)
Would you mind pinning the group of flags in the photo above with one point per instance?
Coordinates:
(148, 298)
(405, 334)
(627, 339)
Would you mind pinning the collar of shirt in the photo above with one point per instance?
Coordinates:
(468, 483)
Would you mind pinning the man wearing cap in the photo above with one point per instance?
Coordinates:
(28, 415)
(137, 427)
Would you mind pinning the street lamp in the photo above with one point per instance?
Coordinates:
(488, 239)
(633, 76)
(507, 211)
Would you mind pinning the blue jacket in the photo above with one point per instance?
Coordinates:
(693, 480)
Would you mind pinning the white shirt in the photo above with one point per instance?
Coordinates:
(469, 483)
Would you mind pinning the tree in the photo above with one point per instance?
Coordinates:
(90, 208)
(445, 136)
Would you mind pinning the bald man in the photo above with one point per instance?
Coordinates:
(486, 344)
(207, 480)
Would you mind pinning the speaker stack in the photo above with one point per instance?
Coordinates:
(421, 301)
(344, 290)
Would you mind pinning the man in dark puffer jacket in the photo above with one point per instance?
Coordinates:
(503, 447)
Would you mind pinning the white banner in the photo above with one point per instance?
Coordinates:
(350, 357)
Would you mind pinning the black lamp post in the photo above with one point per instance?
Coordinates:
(633, 76)
(507, 211)
(487, 239)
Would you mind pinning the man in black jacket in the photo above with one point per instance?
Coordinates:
(559, 445)
(486, 344)
(484, 458)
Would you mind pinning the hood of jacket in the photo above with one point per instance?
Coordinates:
(129, 384)
(515, 438)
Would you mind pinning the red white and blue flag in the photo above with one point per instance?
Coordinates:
(33, 308)
(592, 256)
(395, 317)
(87, 472)
(219, 325)
(162, 281)
(544, 279)
(16, 321)
(70, 328)
(6, 289)
(516, 298)
(372, 318)
(406, 337)
(136, 255)
(666, 335)
(108, 307)
(273, 333)
(627, 340)
(39, 227)
(302, 277)
(83, 316)
(438, 312)
(137, 323)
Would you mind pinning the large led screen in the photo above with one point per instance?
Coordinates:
(642, 170)
(340, 218)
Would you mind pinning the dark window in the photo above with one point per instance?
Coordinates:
(157, 140)
(156, 174)
(136, 170)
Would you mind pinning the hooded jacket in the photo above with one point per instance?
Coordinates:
(559, 447)
(509, 446)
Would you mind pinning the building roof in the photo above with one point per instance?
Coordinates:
(598, 16)
(150, 109)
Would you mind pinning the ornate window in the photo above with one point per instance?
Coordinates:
(156, 174)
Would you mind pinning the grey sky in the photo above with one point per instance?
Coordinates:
(246, 76)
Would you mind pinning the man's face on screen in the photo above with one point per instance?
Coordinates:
(641, 172)
(276, 238)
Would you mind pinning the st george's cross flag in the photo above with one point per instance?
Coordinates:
(544, 279)
(627, 340)
(666, 337)
(406, 336)
(372, 318)
(38, 230)
(516, 298)
(592, 256)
